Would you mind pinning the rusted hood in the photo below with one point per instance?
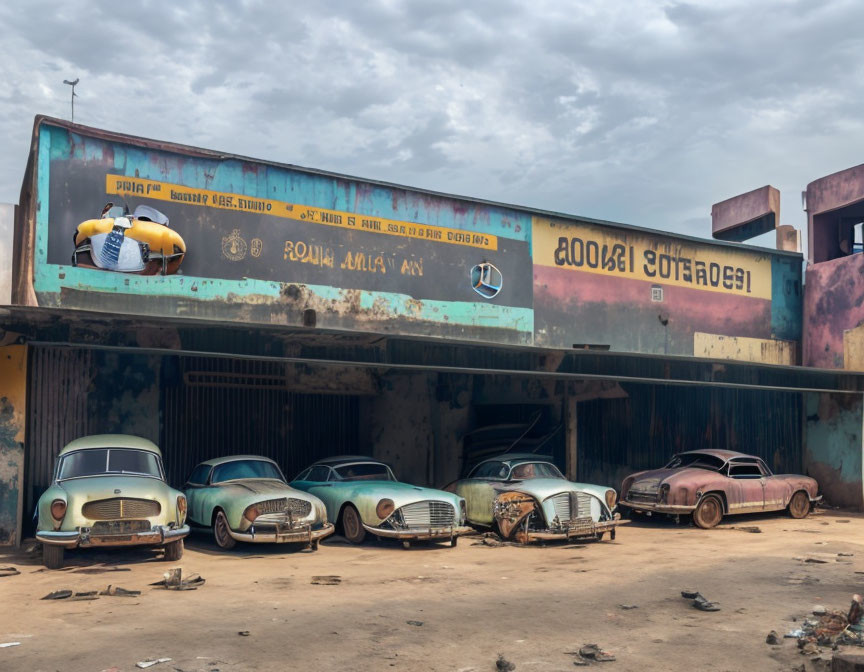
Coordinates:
(649, 481)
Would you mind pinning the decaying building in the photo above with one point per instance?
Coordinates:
(298, 314)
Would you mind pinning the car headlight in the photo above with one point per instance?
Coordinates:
(58, 509)
(385, 508)
(251, 513)
(611, 498)
(181, 509)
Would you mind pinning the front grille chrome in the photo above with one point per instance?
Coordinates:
(120, 508)
(561, 504)
(298, 508)
(642, 497)
(428, 514)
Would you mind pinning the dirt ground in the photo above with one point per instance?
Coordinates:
(472, 603)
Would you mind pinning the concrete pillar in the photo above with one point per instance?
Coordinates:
(570, 439)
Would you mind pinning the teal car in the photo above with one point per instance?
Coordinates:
(526, 498)
(363, 496)
(109, 490)
(246, 498)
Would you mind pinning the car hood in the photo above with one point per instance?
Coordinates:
(647, 481)
(105, 487)
(541, 488)
(255, 486)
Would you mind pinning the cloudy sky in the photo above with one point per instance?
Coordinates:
(635, 111)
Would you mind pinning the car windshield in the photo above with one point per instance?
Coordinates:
(534, 470)
(365, 471)
(493, 469)
(99, 461)
(697, 460)
(231, 471)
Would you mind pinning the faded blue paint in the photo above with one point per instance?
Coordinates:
(833, 446)
(786, 298)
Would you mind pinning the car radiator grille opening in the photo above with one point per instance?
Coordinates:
(120, 508)
(642, 497)
(428, 514)
(571, 506)
(299, 508)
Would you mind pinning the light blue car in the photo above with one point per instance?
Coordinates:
(363, 496)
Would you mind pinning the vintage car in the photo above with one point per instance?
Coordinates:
(246, 498)
(110, 490)
(362, 495)
(525, 498)
(712, 483)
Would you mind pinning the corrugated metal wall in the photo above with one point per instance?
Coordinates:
(213, 407)
(619, 436)
(57, 413)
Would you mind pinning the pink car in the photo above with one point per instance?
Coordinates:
(712, 483)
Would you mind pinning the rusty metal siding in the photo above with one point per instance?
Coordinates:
(247, 411)
(642, 431)
(58, 394)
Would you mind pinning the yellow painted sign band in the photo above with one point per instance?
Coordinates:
(655, 259)
(175, 193)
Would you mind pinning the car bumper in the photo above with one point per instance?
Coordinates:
(576, 531)
(157, 536)
(652, 507)
(295, 535)
(420, 533)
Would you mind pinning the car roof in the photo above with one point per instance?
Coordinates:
(336, 460)
(722, 454)
(111, 441)
(234, 458)
(519, 457)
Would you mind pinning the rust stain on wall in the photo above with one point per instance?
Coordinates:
(762, 350)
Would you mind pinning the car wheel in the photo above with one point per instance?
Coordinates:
(799, 505)
(52, 556)
(352, 526)
(173, 551)
(708, 512)
(221, 533)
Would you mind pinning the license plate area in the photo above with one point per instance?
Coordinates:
(119, 527)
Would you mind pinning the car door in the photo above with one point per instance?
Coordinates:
(777, 490)
(746, 487)
(316, 481)
(194, 489)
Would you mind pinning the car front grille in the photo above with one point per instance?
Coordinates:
(571, 505)
(641, 497)
(428, 514)
(299, 508)
(120, 508)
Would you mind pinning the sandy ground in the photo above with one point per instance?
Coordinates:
(533, 605)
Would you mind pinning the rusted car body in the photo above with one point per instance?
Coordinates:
(526, 498)
(709, 484)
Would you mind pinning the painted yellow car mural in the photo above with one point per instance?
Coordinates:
(110, 490)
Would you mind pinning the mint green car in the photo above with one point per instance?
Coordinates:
(110, 490)
(246, 498)
(526, 498)
(363, 496)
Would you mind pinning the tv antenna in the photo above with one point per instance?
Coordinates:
(72, 84)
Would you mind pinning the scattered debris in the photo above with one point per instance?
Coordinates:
(699, 601)
(489, 539)
(794, 634)
(330, 580)
(843, 520)
(8, 571)
(117, 591)
(243, 633)
(504, 665)
(173, 580)
(773, 638)
(88, 595)
(6, 645)
(845, 555)
(151, 663)
(70, 596)
(417, 623)
(594, 652)
(753, 529)
(818, 610)
(100, 570)
(58, 595)
(628, 606)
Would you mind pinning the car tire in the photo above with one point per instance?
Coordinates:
(221, 534)
(799, 505)
(352, 525)
(173, 551)
(52, 556)
(709, 512)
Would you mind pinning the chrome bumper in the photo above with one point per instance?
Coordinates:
(577, 531)
(420, 533)
(157, 536)
(303, 534)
